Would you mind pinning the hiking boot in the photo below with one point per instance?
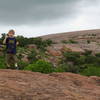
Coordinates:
(17, 68)
(8, 67)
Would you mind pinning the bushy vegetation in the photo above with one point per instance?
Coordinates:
(85, 64)
(22, 64)
(40, 66)
(80, 63)
(2, 63)
(88, 41)
(32, 56)
(69, 41)
(41, 44)
(91, 71)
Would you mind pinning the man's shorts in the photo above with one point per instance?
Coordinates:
(11, 60)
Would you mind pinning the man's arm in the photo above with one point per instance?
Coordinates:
(17, 43)
(4, 41)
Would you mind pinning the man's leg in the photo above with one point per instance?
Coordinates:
(8, 58)
(15, 62)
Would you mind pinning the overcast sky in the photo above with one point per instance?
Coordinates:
(40, 17)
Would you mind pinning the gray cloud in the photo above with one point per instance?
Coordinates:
(21, 12)
(41, 17)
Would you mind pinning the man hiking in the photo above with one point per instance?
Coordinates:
(11, 43)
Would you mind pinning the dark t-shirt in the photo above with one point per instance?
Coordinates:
(11, 45)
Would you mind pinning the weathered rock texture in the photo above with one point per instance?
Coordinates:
(23, 85)
(81, 37)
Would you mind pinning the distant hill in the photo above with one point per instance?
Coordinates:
(78, 40)
(62, 36)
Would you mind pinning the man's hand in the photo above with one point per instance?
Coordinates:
(17, 43)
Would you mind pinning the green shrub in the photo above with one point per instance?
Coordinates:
(69, 42)
(88, 41)
(40, 66)
(73, 41)
(32, 56)
(71, 56)
(61, 68)
(48, 42)
(2, 63)
(67, 68)
(97, 54)
(64, 41)
(81, 60)
(22, 64)
(73, 69)
(91, 71)
(29, 67)
(87, 52)
(91, 59)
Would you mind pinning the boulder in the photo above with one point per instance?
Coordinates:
(54, 51)
(73, 48)
(32, 46)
